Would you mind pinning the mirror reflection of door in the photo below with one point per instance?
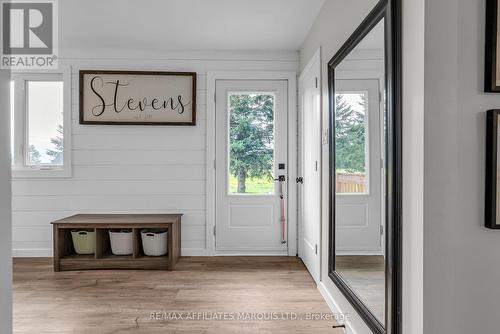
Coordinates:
(358, 167)
(359, 171)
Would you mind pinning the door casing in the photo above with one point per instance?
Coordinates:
(250, 224)
(291, 215)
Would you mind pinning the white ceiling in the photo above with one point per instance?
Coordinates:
(186, 24)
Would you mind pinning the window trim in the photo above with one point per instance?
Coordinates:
(20, 169)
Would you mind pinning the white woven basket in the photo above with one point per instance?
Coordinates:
(154, 242)
(121, 242)
(83, 241)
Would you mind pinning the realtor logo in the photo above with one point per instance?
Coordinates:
(29, 34)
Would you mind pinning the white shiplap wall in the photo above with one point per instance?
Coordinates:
(132, 169)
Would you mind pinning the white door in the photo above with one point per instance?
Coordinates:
(358, 184)
(310, 148)
(251, 152)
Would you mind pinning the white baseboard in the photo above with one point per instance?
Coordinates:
(194, 252)
(249, 253)
(334, 307)
(363, 253)
(32, 252)
(47, 252)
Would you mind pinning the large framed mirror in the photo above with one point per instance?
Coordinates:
(365, 169)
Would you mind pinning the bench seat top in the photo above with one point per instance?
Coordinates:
(119, 219)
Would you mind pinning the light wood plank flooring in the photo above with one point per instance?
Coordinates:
(112, 301)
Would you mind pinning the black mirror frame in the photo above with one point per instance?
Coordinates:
(390, 11)
(490, 52)
(490, 196)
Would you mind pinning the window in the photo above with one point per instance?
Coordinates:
(40, 125)
(351, 142)
(12, 121)
(45, 123)
(251, 143)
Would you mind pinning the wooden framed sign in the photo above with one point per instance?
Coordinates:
(137, 97)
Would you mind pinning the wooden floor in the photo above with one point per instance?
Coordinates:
(101, 302)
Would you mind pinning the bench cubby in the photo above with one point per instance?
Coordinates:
(65, 257)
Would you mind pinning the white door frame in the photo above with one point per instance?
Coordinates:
(314, 61)
(291, 78)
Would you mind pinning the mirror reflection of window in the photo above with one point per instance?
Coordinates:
(359, 171)
(351, 128)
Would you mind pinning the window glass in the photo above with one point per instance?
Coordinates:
(251, 143)
(12, 121)
(45, 123)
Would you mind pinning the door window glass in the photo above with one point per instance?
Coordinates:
(251, 143)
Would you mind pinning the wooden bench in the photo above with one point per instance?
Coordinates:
(65, 257)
